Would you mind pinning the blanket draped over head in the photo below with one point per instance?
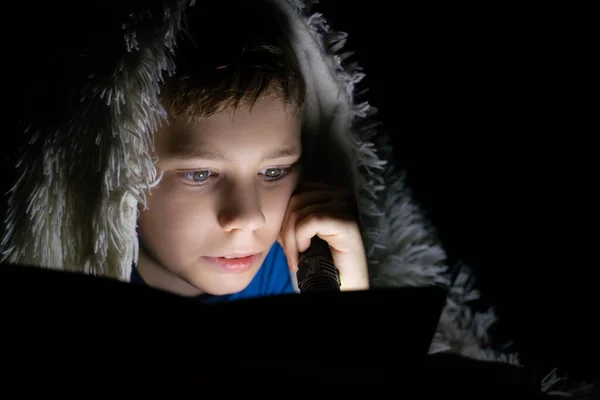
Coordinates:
(88, 118)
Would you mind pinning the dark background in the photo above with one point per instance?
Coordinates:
(489, 108)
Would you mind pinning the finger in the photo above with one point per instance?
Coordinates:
(288, 241)
(293, 244)
(333, 208)
(288, 234)
(324, 188)
(340, 231)
(303, 200)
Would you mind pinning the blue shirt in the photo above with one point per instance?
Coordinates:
(273, 278)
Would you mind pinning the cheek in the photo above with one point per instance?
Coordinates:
(276, 203)
(172, 220)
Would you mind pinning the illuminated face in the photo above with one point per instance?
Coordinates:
(224, 191)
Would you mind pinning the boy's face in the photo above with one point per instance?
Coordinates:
(224, 192)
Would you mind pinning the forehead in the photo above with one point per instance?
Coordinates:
(268, 123)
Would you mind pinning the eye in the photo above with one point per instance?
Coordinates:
(272, 174)
(197, 177)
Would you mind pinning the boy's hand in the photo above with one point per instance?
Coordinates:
(327, 212)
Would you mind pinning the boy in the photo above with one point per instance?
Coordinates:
(230, 212)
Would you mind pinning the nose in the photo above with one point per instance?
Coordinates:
(240, 210)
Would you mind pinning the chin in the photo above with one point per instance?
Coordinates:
(226, 290)
(224, 285)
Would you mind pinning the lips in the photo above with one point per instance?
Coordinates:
(237, 263)
(240, 255)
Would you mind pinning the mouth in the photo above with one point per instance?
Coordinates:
(237, 263)
(242, 255)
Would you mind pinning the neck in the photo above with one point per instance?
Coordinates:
(158, 277)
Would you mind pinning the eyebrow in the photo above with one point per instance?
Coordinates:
(203, 154)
